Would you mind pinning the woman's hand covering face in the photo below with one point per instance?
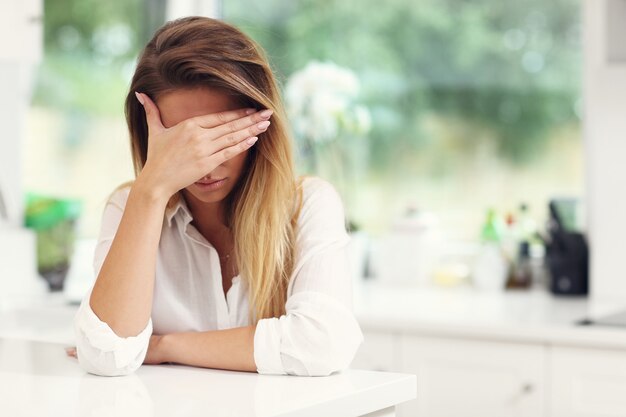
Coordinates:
(191, 149)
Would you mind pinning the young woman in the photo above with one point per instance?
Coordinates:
(216, 255)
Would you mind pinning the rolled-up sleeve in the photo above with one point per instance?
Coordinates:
(99, 349)
(318, 334)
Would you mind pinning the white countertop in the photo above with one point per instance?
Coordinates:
(41, 370)
(534, 316)
(38, 379)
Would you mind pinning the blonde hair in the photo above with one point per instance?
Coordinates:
(265, 204)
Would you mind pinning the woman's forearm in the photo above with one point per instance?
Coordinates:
(231, 349)
(122, 294)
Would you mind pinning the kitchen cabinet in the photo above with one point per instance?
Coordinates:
(587, 382)
(467, 377)
(500, 353)
(459, 378)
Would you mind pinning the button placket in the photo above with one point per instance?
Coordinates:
(223, 310)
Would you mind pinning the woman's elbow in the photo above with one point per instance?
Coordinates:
(106, 354)
(331, 353)
(335, 360)
(104, 368)
(106, 363)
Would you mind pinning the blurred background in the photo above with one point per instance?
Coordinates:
(436, 113)
(477, 146)
(472, 104)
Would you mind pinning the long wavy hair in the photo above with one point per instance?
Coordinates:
(263, 207)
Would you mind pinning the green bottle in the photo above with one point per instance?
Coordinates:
(490, 266)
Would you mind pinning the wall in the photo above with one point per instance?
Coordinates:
(10, 168)
(604, 32)
(20, 50)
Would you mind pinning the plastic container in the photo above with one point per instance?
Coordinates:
(409, 254)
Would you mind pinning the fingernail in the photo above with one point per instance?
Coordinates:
(251, 141)
(263, 125)
(250, 111)
(139, 98)
(266, 113)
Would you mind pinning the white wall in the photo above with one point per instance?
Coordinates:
(20, 50)
(605, 142)
(10, 141)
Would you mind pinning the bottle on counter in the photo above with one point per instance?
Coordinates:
(527, 227)
(527, 261)
(491, 267)
(521, 271)
(510, 238)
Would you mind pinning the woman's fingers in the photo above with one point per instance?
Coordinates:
(208, 121)
(232, 151)
(71, 351)
(219, 136)
(231, 145)
(235, 117)
(153, 116)
(243, 123)
(234, 133)
(231, 139)
(224, 123)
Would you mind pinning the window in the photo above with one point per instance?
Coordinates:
(76, 142)
(473, 104)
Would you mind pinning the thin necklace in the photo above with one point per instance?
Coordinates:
(227, 256)
(224, 260)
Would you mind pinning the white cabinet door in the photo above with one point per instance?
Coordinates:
(466, 378)
(587, 382)
(379, 352)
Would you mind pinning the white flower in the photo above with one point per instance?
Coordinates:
(321, 101)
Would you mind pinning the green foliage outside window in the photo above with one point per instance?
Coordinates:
(509, 67)
(457, 90)
(90, 49)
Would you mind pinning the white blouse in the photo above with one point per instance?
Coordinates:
(318, 334)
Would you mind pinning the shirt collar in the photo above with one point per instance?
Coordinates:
(178, 207)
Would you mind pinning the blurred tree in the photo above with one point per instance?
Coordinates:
(90, 50)
(510, 67)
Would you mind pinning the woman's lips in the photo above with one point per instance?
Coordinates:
(210, 185)
(209, 182)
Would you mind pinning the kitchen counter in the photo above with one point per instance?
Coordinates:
(37, 378)
(522, 316)
(534, 316)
